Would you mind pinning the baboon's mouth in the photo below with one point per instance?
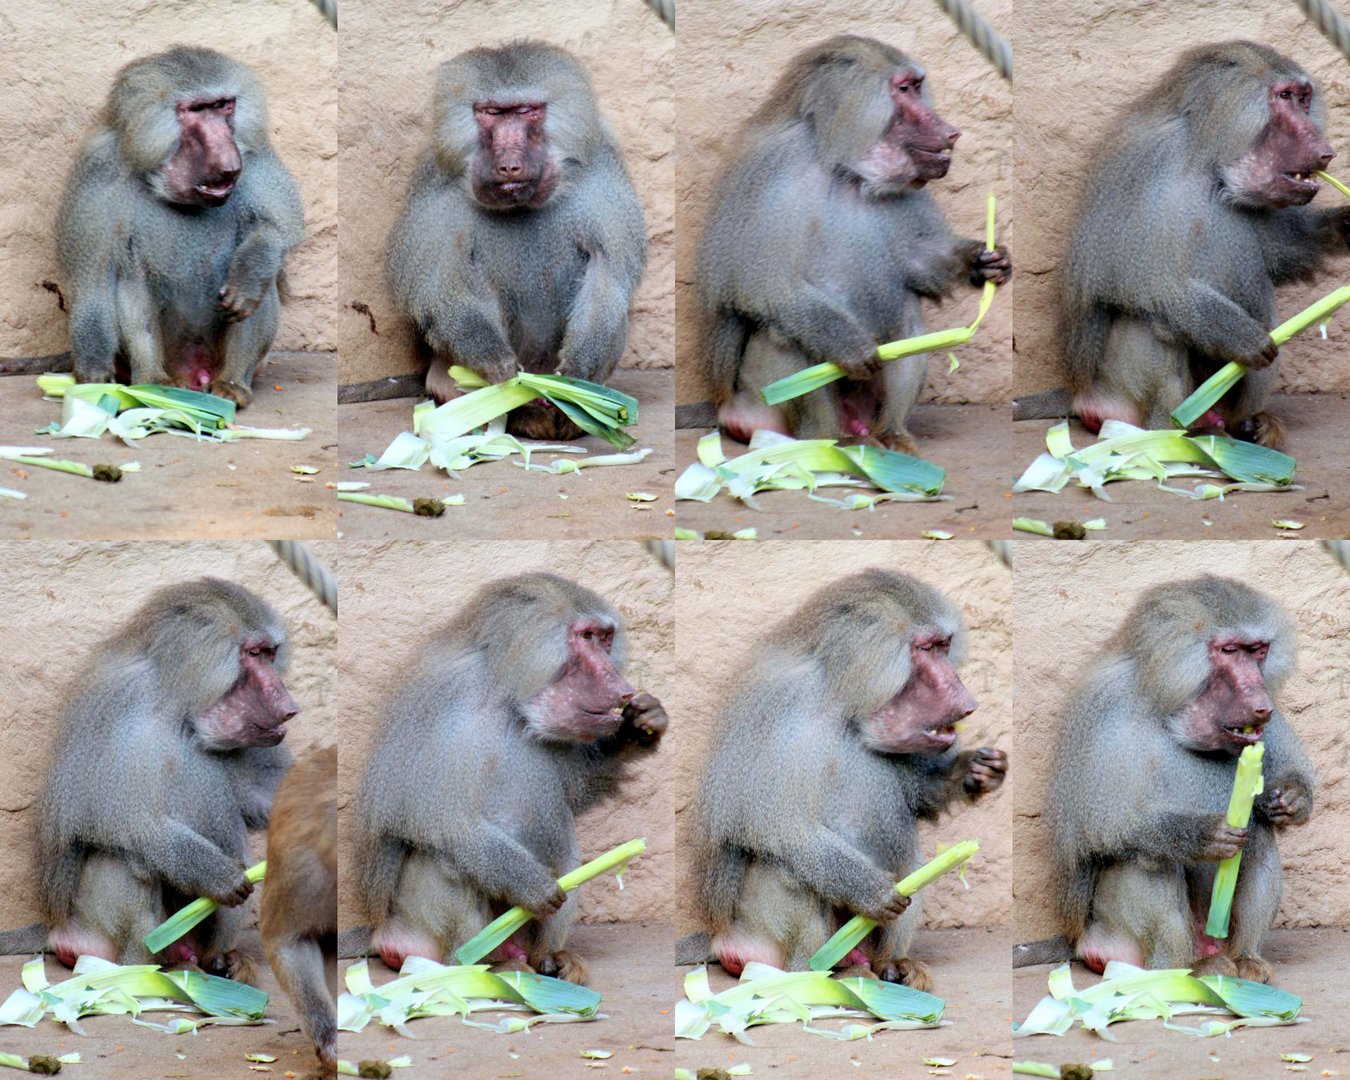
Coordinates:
(1302, 186)
(936, 162)
(215, 193)
(943, 734)
(1245, 734)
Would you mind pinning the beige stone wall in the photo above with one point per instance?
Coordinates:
(396, 594)
(1078, 62)
(390, 52)
(58, 601)
(1070, 598)
(730, 57)
(57, 62)
(727, 594)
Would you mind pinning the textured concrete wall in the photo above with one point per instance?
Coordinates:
(727, 594)
(60, 600)
(1078, 62)
(57, 62)
(390, 52)
(396, 594)
(730, 57)
(1069, 599)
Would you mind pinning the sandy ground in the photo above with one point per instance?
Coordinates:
(970, 441)
(970, 972)
(117, 1049)
(628, 963)
(185, 490)
(1318, 432)
(502, 500)
(1310, 963)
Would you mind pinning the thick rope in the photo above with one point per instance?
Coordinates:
(663, 551)
(983, 36)
(665, 9)
(1338, 550)
(328, 9)
(306, 566)
(1330, 21)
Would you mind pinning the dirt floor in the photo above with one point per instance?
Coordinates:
(114, 1048)
(1310, 963)
(1318, 430)
(502, 500)
(970, 971)
(628, 963)
(185, 490)
(970, 441)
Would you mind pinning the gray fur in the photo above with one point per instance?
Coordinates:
(795, 819)
(544, 289)
(136, 804)
(1170, 272)
(465, 806)
(145, 276)
(801, 261)
(1131, 809)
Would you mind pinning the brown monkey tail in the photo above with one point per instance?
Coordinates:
(1048, 405)
(694, 949)
(1051, 950)
(697, 414)
(354, 942)
(25, 939)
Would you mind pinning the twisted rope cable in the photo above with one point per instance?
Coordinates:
(665, 10)
(306, 566)
(328, 9)
(1330, 21)
(1338, 550)
(985, 38)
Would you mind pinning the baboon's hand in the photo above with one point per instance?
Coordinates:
(886, 906)
(859, 367)
(239, 299)
(1224, 841)
(235, 893)
(548, 905)
(1264, 357)
(647, 718)
(995, 266)
(985, 771)
(1287, 803)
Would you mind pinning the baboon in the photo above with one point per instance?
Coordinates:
(1195, 208)
(515, 718)
(522, 240)
(1143, 771)
(821, 241)
(299, 900)
(176, 218)
(840, 738)
(168, 755)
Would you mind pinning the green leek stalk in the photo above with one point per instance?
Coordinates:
(183, 920)
(818, 375)
(512, 920)
(1223, 380)
(1246, 786)
(847, 936)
